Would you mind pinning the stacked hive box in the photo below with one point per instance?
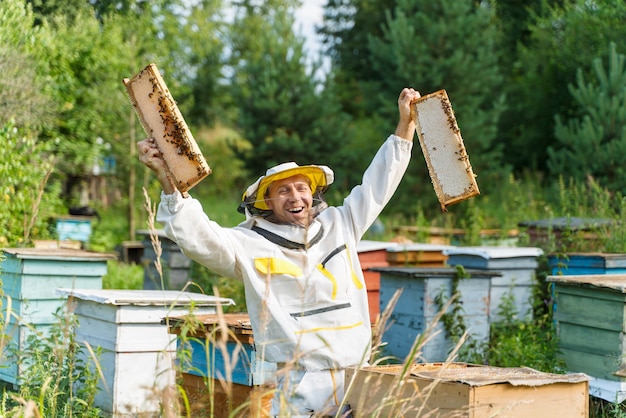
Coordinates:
(417, 308)
(29, 279)
(221, 366)
(175, 265)
(587, 263)
(136, 350)
(517, 267)
(590, 314)
(373, 254)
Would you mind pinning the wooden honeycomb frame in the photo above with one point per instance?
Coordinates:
(444, 151)
(162, 120)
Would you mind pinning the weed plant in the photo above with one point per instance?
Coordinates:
(53, 380)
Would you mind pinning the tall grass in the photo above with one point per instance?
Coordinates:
(59, 383)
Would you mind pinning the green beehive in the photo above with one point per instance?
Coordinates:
(30, 277)
(590, 312)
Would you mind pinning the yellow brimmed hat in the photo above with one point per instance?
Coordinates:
(320, 177)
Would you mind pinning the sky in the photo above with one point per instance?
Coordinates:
(309, 15)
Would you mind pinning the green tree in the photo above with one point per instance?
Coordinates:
(451, 45)
(348, 24)
(561, 41)
(22, 97)
(204, 48)
(282, 112)
(27, 201)
(593, 142)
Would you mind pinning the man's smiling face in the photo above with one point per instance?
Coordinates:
(291, 200)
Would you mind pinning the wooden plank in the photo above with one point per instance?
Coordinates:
(162, 120)
(596, 365)
(589, 311)
(443, 148)
(590, 339)
(43, 287)
(569, 400)
(210, 397)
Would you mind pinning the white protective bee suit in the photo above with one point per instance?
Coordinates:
(305, 290)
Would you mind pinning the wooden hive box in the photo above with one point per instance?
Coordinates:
(176, 265)
(577, 264)
(418, 255)
(465, 390)
(517, 267)
(224, 369)
(30, 277)
(137, 351)
(416, 309)
(590, 315)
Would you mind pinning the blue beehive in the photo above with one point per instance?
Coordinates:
(572, 264)
(238, 362)
(416, 308)
(30, 277)
(77, 228)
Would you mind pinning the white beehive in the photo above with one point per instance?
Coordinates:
(136, 351)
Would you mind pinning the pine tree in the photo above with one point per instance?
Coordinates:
(562, 40)
(593, 143)
(451, 45)
(283, 111)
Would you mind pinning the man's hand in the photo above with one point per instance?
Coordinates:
(150, 156)
(406, 108)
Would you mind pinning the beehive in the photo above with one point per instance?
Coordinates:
(29, 278)
(517, 266)
(230, 371)
(590, 316)
(443, 148)
(418, 255)
(137, 353)
(576, 264)
(162, 120)
(465, 390)
(373, 254)
(417, 310)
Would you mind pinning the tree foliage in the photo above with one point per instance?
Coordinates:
(280, 110)
(563, 39)
(593, 143)
(441, 45)
(27, 201)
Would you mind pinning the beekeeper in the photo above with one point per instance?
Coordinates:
(298, 260)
